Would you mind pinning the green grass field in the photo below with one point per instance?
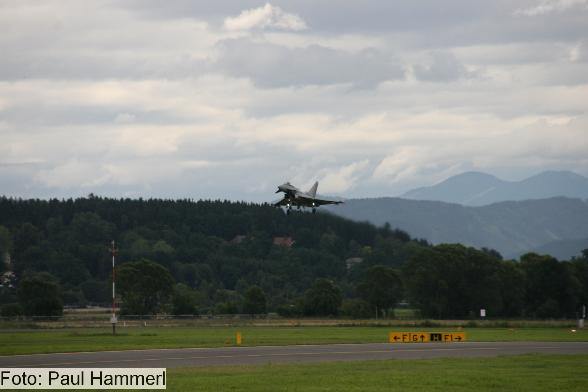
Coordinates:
(516, 373)
(96, 339)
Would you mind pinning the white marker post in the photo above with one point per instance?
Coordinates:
(113, 320)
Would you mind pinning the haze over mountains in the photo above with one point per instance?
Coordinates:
(478, 189)
(546, 213)
(513, 228)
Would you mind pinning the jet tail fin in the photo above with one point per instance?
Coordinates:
(312, 191)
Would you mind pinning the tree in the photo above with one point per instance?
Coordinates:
(185, 300)
(426, 284)
(162, 251)
(69, 239)
(322, 299)
(227, 302)
(40, 295)
(5, 241)
(255, 301)
(25, 236)
(145, 287)
(512, 282)
(551, 289)
(356, 308)
(97, 291)
(580, 267)
(8, 295)
(11, 310)
(89, 227)
(451, 280)
(74, 297)
(5, 246)
(381, 287)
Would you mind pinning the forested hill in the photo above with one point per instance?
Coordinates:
(211, 246)
(513, 228)
(223, 219)
(219, 257)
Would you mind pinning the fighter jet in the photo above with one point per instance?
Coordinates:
(295, 197)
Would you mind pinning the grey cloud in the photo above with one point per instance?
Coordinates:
(117, 45)
(582, 52)
(442, 67)
(422, 23)
(573, 74)
(270, 65)
(551, 6)
(518, 53)
(69, 65)
(237, 178)
(227, 136)
(555, 28)
(57, 40)
(391, 16)
(336, 16)
(51, 114)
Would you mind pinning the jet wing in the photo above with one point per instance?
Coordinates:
(315, 201)
(282, 202)
(322, 202)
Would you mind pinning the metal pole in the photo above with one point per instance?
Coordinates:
(113, 250)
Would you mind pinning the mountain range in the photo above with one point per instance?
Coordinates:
(512, 228)
(478, 189)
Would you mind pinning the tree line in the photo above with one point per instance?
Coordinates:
(212, 257)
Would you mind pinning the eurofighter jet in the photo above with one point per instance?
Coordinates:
(295, 197)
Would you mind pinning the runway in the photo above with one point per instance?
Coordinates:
(197, 357)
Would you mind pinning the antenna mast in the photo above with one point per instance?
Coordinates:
(113, 251)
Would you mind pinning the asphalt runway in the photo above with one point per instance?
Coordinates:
(192, 357)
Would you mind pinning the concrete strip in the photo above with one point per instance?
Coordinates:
(192, 357)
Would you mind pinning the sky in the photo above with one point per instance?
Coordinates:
(227, 99)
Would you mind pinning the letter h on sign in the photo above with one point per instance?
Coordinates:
(436, 337)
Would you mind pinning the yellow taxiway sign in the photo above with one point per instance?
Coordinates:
(424, 337)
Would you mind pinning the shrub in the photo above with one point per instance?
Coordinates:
(11, 310)
(357, 309)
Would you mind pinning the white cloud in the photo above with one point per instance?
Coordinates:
(147, 141)
(425, 164)
(579, 53)
(74, 174)
(145, 174)
(342, 179)
(74, 40)
(196, 164)
(266, 17)
(551, 6)
(520, 145)
(99, 98)
(125, 118)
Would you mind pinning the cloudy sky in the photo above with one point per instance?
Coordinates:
(227, 99)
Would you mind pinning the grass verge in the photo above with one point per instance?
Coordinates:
(517, 373)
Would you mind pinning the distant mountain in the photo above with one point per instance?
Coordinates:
(563, 249)
(512, 228)
(478, 189)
